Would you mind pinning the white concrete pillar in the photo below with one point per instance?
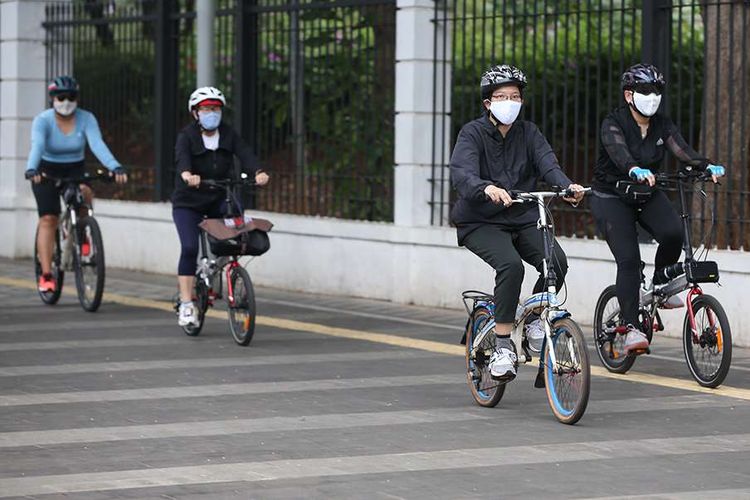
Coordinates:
(419, 112)
(22, 96)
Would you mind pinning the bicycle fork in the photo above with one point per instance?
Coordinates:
(230, 285)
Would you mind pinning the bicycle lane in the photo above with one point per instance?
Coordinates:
(404, 342)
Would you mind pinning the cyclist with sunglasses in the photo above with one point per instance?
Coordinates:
(205, 149)
(634, 138)
(58, 142)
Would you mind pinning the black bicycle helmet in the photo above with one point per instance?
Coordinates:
(643, 75)
(500, 75)
(63, 85)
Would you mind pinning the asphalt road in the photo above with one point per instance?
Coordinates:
(334, 398)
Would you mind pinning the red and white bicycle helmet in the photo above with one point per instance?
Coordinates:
(206, 95)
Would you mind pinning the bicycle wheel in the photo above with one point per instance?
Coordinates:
(88, 261)
(610, 345)
(485, 390)
(568, 381)
(200, 299)
(241, 306)
(709, 353)
(58, 274)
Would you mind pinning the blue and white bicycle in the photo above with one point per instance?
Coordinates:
(564, 369)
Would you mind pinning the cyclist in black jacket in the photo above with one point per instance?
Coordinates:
(633, 140)
(495, 154)
(205, 150)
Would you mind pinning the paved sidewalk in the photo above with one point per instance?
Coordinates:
(335, 397)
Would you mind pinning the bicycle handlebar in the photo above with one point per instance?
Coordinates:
(530, 196)
(99, 175)
(228, 182)
(683, 174)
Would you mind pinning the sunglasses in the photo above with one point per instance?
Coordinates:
(648, 88)
(66, 97)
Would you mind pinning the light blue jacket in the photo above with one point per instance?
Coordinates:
(50, 144)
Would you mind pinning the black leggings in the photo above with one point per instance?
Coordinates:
(504, 250)
(617, 223)
(187, 220)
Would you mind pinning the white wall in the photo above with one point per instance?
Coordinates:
(22, 91)
(418, 265)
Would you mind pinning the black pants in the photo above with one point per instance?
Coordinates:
(617, 223)
(187, 220)
(47, 193)
(505, 250)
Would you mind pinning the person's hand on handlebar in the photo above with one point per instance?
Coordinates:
(715, 171)
(261, 178)
(190, 179)
(34, 176)
(578, 193)
(498, 195)
(121, 175)
(642, 175)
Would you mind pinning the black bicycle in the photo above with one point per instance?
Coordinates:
(706, 335)
(222, 242)
(78, 244)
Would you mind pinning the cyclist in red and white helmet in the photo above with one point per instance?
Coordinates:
(205, 149)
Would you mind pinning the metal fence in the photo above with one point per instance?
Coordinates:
(304, 79)
(574, 53)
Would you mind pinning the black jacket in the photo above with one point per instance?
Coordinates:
(192, 156)
(623, 148)
(482, 157)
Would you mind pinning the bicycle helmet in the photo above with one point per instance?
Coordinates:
(206, 95)
(62, 85)
(643, 75)
(500, 75)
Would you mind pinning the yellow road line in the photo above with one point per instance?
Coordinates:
(399, 341)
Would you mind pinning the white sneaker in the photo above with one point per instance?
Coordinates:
(673, 302)
(635, 340)
(503, 361)
(188, 314)
(535, 335)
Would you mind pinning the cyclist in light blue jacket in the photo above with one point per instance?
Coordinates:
(58, 143)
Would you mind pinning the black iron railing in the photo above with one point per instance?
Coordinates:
(574, 53)
(310, 86)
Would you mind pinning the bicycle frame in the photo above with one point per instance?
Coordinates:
(694, 288)
(544, 303)
(210, 267)
(680, 283)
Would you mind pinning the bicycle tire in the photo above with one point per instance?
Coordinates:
(50, 298)
(610, 349)
(89, 293)
(711, 341)
(200, 299)
(241, 306)
(567, 392)
(484, 389)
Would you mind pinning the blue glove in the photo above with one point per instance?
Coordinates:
(30, 174)
(640, 174)
(716, 170)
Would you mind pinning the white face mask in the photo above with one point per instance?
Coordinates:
(505, 112)
(646, 104)
(64, 108)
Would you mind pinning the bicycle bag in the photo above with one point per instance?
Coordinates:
(633, 193)
(248, 239)
(705, 271)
